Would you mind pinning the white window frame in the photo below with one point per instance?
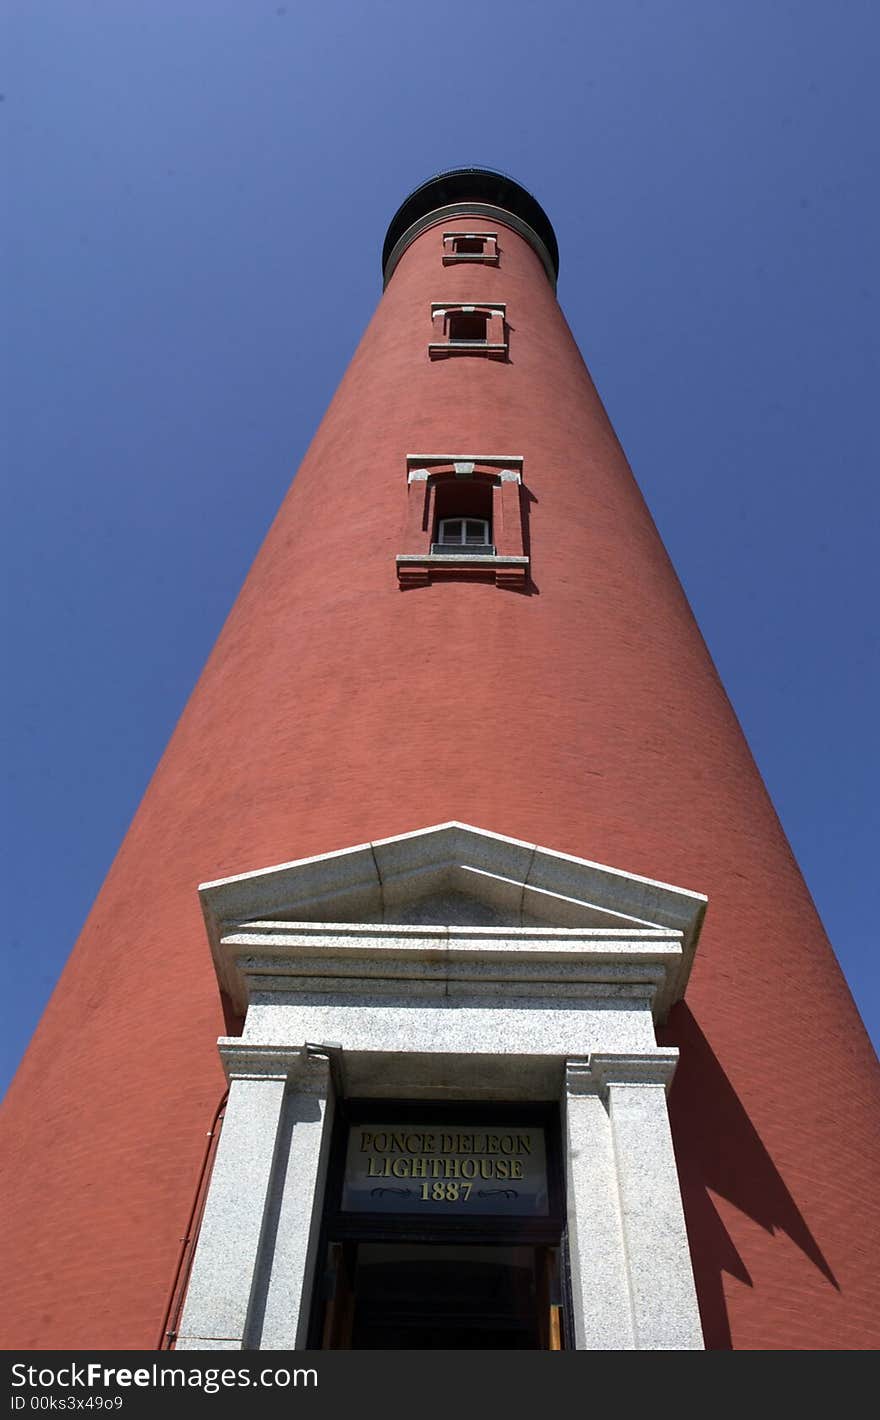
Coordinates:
(463, 540)
(488, 254)
(493, 341)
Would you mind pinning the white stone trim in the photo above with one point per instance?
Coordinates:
(666, 1316)
(488, 253)
(505, 475)
(298, 1066)
(599, 1072)
(225, 1266)
(487, 460)
(461, 347)
(440, 559)
(440, 308)
(560, 1005)
(297, 957)
(453, 258)
(280, 1316)
(643, 1252)
(367, 883)
(253, 1271)
(602, 1312)
(631, 1276)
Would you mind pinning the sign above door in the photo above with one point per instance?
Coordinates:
(496, 1171)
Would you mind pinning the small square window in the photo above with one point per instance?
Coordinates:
(469, 326)
(466, 246)
(470, 246)
(479, 329)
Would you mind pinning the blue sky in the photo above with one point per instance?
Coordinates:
(196, 199)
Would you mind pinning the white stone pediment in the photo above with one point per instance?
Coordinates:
(450, 908)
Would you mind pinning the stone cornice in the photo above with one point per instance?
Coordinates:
(505, 963)
(306, 1068)
(596, 1074)
(332, 919)
(487, 460)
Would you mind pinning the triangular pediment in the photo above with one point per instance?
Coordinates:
(453, 876)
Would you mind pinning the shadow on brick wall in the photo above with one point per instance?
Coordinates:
(719, 1151)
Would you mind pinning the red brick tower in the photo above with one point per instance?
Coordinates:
(463, 612)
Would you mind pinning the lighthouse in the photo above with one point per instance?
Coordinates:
(455, 985)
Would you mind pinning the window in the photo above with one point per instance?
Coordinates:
(465, 521)
(478, 329)
(470, 246)
(462, 516)
(463, 535)
(467, 326)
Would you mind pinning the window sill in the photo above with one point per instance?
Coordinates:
(456, 257)
(449, 549)
(468, 347)
(417, 570)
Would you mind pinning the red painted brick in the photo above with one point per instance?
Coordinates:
(586, 716)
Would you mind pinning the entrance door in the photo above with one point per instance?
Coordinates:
(435, 1297)
(443, 1230)
(439, 1297)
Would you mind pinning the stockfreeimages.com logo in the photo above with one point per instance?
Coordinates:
(94, 1375)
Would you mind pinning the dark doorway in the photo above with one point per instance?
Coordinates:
(442, 1297)
(443, 1229)
(432, 1297)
